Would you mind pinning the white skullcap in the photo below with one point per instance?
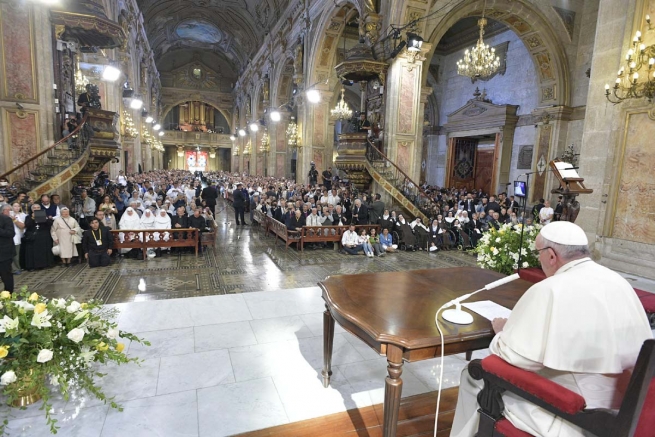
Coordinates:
(565, 233)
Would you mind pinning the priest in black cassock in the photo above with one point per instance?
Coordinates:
(36, 248)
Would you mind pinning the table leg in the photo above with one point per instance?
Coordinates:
(328, 341)
(392, 390)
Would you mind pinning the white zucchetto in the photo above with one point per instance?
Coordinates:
(566, 233)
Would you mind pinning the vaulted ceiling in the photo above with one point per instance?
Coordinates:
(233, 29)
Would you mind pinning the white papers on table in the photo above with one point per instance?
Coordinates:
(566, 170)
(488, 309)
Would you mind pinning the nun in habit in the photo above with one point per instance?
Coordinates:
(162, 221)
(421, 233)
(590, 351)
(36, 247)
(131, 221)
(405, 233)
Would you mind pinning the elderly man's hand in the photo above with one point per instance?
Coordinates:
(498, 324)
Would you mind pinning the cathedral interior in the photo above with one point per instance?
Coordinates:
(274, 88)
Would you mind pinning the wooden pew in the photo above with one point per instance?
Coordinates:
(145, 239)
(280, 230)
(330, 234)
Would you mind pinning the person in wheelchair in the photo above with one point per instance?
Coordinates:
(421, 233)
(435, 235)
(406, 237)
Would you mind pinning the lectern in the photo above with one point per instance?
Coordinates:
(570, 186)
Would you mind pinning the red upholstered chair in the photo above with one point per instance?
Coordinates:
(635, 418)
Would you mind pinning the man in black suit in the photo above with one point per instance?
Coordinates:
(492, 205)
(537, 208)
(360, 213)
(559, 208)
(469, 204)
(474, 227)
(239, 203)
(513, 205)
(209, 195)
(7, 248)
(198, 222)
(377, 210)
(296, 221)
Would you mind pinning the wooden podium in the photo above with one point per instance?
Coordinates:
(570, 186)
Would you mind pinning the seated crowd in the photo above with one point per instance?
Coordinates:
(152, 200)
(457, 218)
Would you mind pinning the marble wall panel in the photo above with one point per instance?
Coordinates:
(406, 103)
(317, 157)
(281, 137)
(260, 164)
(403, 158)
(541, 162)
(18, 63)
(22, 134)
(318, 137)
(634, 216)
(280, 160)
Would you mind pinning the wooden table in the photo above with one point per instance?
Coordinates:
(394, 314)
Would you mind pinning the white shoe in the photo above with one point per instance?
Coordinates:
(370, 255)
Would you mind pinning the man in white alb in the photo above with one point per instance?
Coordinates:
(582, 327)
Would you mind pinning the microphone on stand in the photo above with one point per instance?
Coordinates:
(461, 317)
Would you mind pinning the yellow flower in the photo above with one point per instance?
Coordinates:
(84, 305)
(102, 346)
(39, 308)
(4, 351)
(120, 347)
(33, 297)
(492, 249)
(5, 295)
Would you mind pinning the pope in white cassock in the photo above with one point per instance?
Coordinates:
(582, 327)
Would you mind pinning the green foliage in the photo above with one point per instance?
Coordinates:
(498, 250)
(56, 341)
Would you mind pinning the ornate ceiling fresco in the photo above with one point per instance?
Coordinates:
(234, 29)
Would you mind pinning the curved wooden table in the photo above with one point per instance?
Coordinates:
(393, 312)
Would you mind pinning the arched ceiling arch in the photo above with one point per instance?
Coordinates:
(235, 28)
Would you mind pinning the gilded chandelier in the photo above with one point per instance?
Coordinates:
(293, 140)
(342, 110)
(627, 85)
(481, 60)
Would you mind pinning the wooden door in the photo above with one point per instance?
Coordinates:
(484, 169)
(462, 163)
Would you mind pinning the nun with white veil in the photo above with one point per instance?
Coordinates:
(162, 221)
(130, 220)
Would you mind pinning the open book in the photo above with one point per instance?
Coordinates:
(566, 170)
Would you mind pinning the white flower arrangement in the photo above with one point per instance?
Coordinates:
(499, 250)
(55, 340)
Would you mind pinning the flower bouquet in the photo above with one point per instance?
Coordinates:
(498, 250)
(57, 341)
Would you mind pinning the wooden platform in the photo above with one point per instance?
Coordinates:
(416, 419)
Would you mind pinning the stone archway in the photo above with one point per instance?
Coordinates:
(534, 30)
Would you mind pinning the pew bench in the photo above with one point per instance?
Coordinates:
(280, 230)
(329, 234)
(147, 239)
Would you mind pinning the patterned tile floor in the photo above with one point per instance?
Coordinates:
(244, 260)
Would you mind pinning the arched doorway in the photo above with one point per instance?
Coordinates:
(535, 76)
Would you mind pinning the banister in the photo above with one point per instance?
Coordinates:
(418, 187)
(44, 151)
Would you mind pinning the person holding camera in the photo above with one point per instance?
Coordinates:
(313, 174)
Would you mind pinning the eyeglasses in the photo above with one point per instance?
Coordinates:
(537, 251)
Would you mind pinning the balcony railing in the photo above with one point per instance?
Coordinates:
(193, 138)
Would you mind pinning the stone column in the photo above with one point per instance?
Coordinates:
(404, 114)
(550, 142)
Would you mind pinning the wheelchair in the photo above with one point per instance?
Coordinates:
(402, 244)
(463, 240)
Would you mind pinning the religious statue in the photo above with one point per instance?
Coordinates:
(297, 62)
(248, 111)
(266, 88)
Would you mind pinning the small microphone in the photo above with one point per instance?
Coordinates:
(463, 318)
